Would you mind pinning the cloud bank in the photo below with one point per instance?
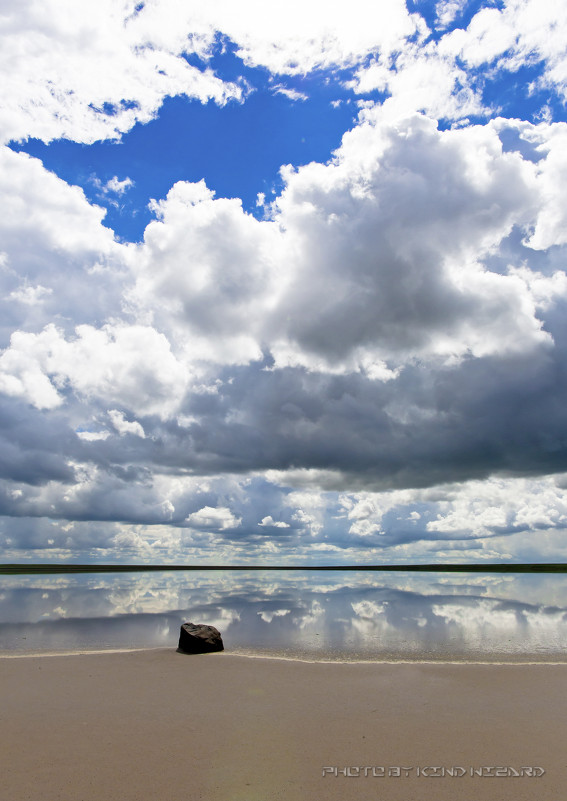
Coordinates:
(373, 370)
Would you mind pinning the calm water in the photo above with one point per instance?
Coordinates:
(307, 614)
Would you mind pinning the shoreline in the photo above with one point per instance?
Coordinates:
(153, 723)
(286, 658)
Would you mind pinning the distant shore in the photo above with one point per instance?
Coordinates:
(157, 724)
(537, 567)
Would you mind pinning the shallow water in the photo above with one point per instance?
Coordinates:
(297, 614)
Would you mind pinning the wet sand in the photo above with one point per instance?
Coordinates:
(161, 726)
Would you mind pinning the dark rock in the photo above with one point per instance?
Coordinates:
(199, 639)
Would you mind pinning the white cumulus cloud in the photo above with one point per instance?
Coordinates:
(124, 426)
(216, 518)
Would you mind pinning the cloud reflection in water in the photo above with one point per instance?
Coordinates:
(305, 614)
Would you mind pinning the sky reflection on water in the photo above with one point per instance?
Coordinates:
(511, 617)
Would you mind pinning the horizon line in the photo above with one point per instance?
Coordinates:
(489, 567)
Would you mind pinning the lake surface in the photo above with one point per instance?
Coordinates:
(298, 614)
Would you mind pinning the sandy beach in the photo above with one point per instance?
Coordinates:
(158, 725)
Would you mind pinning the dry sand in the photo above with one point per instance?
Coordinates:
(161, 726)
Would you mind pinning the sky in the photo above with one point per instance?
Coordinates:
(283, 283)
